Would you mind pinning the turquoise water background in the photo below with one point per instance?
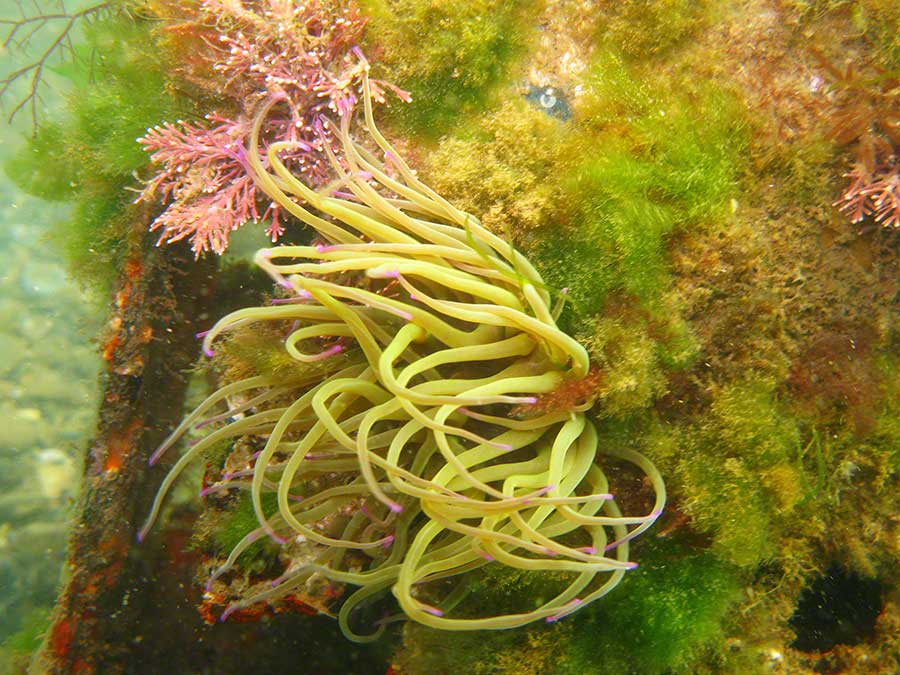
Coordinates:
(48, 390)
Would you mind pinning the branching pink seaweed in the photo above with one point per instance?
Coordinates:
(299, 54)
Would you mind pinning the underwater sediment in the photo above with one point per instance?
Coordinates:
(600, 256)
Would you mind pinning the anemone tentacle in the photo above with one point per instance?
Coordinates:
(426, 336)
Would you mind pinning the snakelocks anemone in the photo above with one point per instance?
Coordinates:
(416, 439)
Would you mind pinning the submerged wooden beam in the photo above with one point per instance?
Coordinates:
(149, 348)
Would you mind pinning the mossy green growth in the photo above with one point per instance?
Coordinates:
(659, 156)
(633, 353)
(877, 20)
(632, 378)
(239, 521)
(886, 433)
(449, 55)
(259, 350)
(662, 616)
(737, 471)
(880, 20)
(533, 650)
(650, 28)
(88, 155)
(505, 168)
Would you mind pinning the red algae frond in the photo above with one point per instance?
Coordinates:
(300, 54)
(873, 192)
(868, 117)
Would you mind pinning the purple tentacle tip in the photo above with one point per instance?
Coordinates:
(656, 513)
(208, 353)
(388, 540)
(590, 550)
(140, 537)
(531, 400)
(631, 566)
(502, 446)
(332, 350)
(556, 617)
(434, 611)
(395, 507)
(202, 334)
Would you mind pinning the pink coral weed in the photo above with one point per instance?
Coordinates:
(300, 54)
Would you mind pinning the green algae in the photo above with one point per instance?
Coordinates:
(663, 615)
(634, 355)
(735, 470)
(236, 522)
(649, 29)
(451, 56)
(88, 155)
(887, 421)
(877, 20)
(632, 377)
(880, 20)
(595, 202)
(652, 172)
(513, 187)
(670, 612)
